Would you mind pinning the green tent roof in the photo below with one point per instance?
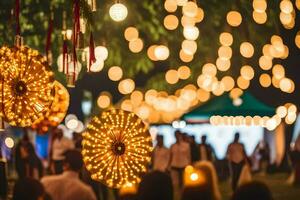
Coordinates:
(224, 106)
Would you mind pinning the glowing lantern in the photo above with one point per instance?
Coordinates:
(190, 32)
(189, 47)
(171, 22)
(247, 49)
(172, 76)
(265, 80)
(184, 72)
(234, 18)
(126, 86)
(117, 148)
(131, 33)
(247, 72)
(223, 64)
(118, 12)
(115, 73)
(136, 45)
(226, 39)
(170, 5)
(104, 100)
(190, 9)
(101, 53)
(161, 52)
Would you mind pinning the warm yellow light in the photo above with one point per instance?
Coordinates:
(297, 39)
(247, 72)
(286, 6)
(189, 47)
(171, 22)
(161, 52)
(185, 57)
(190, 32)
(259, 5)
(225, 52)
(127, 105)
(223, 64)
(200, 15)
(236, 93)
(209, 69)
(243, 83)
(170, 5)
(281, 111)
(285, 84)
(181, 2)
(126, 86)
(265, 62)
(260, 17)
(131, 33)
(101, 53)
(9, 142)
(184, 72)
(265, 80)
(115, 73)
(136, 45)
(187, 21)
(150, 53)
(136, 97)
(278, 71)
(228, 83)
(190, 9)
(226, 39)
(104, 100)
(203, 95)
(150, 96)
(97, 66)
(234, 18)
(247, 49)
(118, 12)
(172, 76)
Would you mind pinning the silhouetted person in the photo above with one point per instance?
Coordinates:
(155, 186)
(206, 187)
(36, 168)
(296, 161)
(237, 157)
(68, 185)
(252, 191)
(180, 158)
(28, 189)
(3, 177)
(206, 152)
(194, 149)
(161, 155)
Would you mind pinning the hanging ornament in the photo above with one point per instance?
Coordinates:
(118, 12)
(117, 148)
(27, 85)
(57, 112)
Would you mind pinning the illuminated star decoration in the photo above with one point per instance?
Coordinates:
(117, 148)
(26, 85)
(57, 112)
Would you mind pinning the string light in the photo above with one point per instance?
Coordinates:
(118, 12)
(27, 85)
(117, 148)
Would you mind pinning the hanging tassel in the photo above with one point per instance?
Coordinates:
(92, 57)
(48, 41)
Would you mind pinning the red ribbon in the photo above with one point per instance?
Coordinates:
(92, 57)
(76, 31)
(17, 15)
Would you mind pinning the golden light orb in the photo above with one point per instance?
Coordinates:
(171, 22)
(127, 105)
(265, 80)
(209, 69)
(185, 57)
(118, 12)
(115, 73)
(27, 85)
(187, 21)
(136, 97)
(190, 32)
(161, 52)
(226, 39)
(184, 72)
(243, 83)
(259, 5)
(150, 53)
(297, 39)
(200, 15)
(170, 5)
(181, 2)
(278, 71)
(281, 111)
(228, 83)
(247, 49)
(247, 72)
(189, 47)
(126, 86)
(286, 6)
(131, 33)
(117, 148)
(260, 17)
(223, 64)
(285, 84)
(236, 93)
(203, 95)
(265, 62)
(190, 9)
(136, 45)
(234, 18)
(104, 100)
(172, 76)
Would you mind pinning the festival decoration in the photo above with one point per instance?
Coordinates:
(57, 112)
(116, 148)
(26, 85)
(118, 12)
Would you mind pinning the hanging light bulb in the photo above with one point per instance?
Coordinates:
(118, 12)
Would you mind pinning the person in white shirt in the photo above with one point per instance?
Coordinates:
(237, 156)
(59, 146)
(180, 158)
(68, 186)
(161, 155)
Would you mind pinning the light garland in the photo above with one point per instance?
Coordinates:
(57, 112)
(116, 148)
(27, 85)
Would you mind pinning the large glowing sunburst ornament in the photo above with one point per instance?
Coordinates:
(117, 148)
(26, 85)
(57, 112)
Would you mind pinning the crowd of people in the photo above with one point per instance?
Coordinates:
(169, 175)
